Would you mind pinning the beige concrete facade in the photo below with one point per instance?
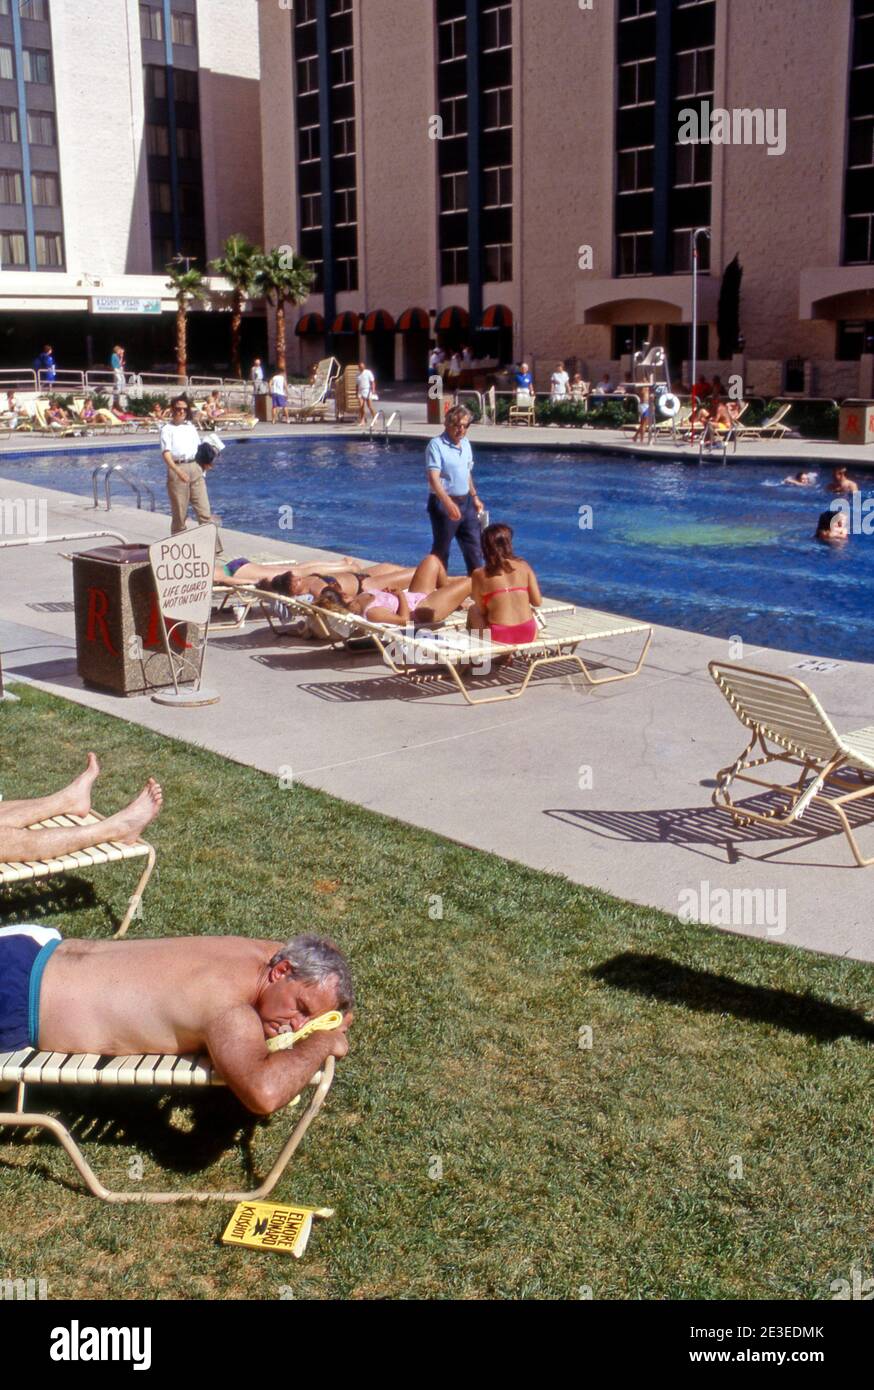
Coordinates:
(781, 214)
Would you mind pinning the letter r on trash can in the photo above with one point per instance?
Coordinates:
(98, 607)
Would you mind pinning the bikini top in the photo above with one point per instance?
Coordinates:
(515, 589)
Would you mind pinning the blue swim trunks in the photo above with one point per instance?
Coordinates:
(24, 953)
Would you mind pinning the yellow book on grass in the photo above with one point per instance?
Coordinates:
(271, 1226)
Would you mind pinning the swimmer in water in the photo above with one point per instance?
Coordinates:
(833, 527)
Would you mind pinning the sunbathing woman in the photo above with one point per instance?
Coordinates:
(350, 577)
(432, 595)
(504, 591)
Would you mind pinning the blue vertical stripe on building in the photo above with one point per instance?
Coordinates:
(474, 167)
(24, 137)
(663, 152)
(171, 126)
(329, 281)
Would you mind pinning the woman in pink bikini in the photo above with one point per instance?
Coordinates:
(431, 597)
(504, 591)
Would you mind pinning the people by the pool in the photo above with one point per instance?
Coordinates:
(841, 482)
(833, 527)
(427, 598)
(350, 577)
(802, 479)
(504, 591)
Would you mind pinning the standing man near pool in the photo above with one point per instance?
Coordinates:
(185, 482)
(453, 504)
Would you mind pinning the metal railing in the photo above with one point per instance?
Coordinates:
(109, 470)
(387, 423)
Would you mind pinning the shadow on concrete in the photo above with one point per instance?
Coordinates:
(428, 684)
(61, 671)
(656, 977)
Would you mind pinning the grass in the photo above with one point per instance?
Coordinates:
(564, 1167)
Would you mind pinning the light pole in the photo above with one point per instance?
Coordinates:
(698, 231)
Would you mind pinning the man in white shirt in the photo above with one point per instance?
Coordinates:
(186, 486)
(279, 393)
(365, 385)
(256, 376)
(560, 383)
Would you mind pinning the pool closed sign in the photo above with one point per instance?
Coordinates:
(183, 567)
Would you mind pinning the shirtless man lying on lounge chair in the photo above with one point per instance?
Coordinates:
(20, 844)
(221, 994)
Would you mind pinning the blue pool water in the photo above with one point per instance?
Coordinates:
(717, 549)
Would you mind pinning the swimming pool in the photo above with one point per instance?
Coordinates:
(722, 550)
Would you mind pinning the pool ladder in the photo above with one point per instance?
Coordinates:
(108, 470)
(387, 423)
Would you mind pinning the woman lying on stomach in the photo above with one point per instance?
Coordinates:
(431, 596)
(504, 591)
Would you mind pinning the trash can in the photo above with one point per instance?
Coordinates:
(857, 423)
(119, 643)
(264, 408)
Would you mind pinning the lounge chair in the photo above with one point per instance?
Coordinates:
(409, 651)
(311, 402)
(772, 428)
(781, 710)
(522, 412)
(45, 426)
(110, 852)
(31, 1068)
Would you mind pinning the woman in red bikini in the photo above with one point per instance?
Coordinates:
(504, 591)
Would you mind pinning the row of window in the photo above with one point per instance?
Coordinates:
(693, 77)
(40, 127)
(36, 63)
(305, 10)
(45, 189)
(497, 264)
(635, 252)
(342, 140)
(496, 33)
(190, 198)
(49, 250)
(635, 168)
(497, 189)
(28, 9)
(182, 26)
(185, 85)
(187, 141)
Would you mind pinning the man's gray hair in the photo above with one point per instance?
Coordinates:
(315, 959)
(457, 413)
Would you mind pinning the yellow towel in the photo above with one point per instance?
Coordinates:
(325, 1023)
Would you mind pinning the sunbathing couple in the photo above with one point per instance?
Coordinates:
(499, 597)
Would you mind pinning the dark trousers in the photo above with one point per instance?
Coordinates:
(466, 531)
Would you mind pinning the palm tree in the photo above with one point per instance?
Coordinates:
(282, 278)
(189, 287)
(238, 265)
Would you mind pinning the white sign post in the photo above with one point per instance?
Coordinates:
(182, 567)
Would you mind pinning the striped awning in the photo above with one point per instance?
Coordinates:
(498, 316)
(308, 325)
(380, 321)
(414, 321)
(346, 323)
(453, 317)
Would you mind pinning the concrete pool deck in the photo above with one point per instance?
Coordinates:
(609, 787)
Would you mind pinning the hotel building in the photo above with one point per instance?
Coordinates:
(510, 173)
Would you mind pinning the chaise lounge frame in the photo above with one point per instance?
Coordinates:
(783, 711)
(31, 1068)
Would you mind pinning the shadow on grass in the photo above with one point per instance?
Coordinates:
(28, 902)
(656, 977)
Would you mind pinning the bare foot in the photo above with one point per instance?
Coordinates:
(128, 825)
(79, 790)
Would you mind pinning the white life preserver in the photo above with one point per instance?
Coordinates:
(669, 405)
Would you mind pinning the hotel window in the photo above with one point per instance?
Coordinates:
(49, 249)
(151, 23)
(307, 76)
(342, 67)
(859, 245)
(452, 40)
(305, 12)
(854, 337)
(157, 140)
(453, 193)
(691, 165)
(318, 269)
(7, 68)
(37, 65)
(498, 188)
(498, 108)
(694, 73)
(33, 9)
(453, 112)
(860, 154)
(156, 83)
(497, 28)
(345, 207)
(160, 196)
(635, 170)
(8, 125)
(346, 273)
(182, 29)
(10, 186)
(859, 172)
(45, 190)
(40, 128)
(344, 136)
(185, 85)
(453, 265)
(635, 9)
(187, 142)
(191, 200)
(341, 7)
(498, 262)
(310, 211)
(635, 253)
(163, 251)
(637, 83)
(682, 251)
(310, 144)
(12, 249)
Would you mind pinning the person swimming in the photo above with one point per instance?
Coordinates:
(833, 527)
(802, 479)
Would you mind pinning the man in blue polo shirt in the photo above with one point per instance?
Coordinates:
(453, 504)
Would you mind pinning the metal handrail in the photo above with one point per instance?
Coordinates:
(72, 536)
(108, 469)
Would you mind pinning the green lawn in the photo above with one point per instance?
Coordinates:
(564, 1167)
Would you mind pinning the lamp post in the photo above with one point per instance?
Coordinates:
(698, 231)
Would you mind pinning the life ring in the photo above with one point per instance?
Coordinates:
(669, 405)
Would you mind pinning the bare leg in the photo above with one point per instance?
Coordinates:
(476, 621)
(430, 575)
(439, 604)
(73, 800)
(18, 844)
